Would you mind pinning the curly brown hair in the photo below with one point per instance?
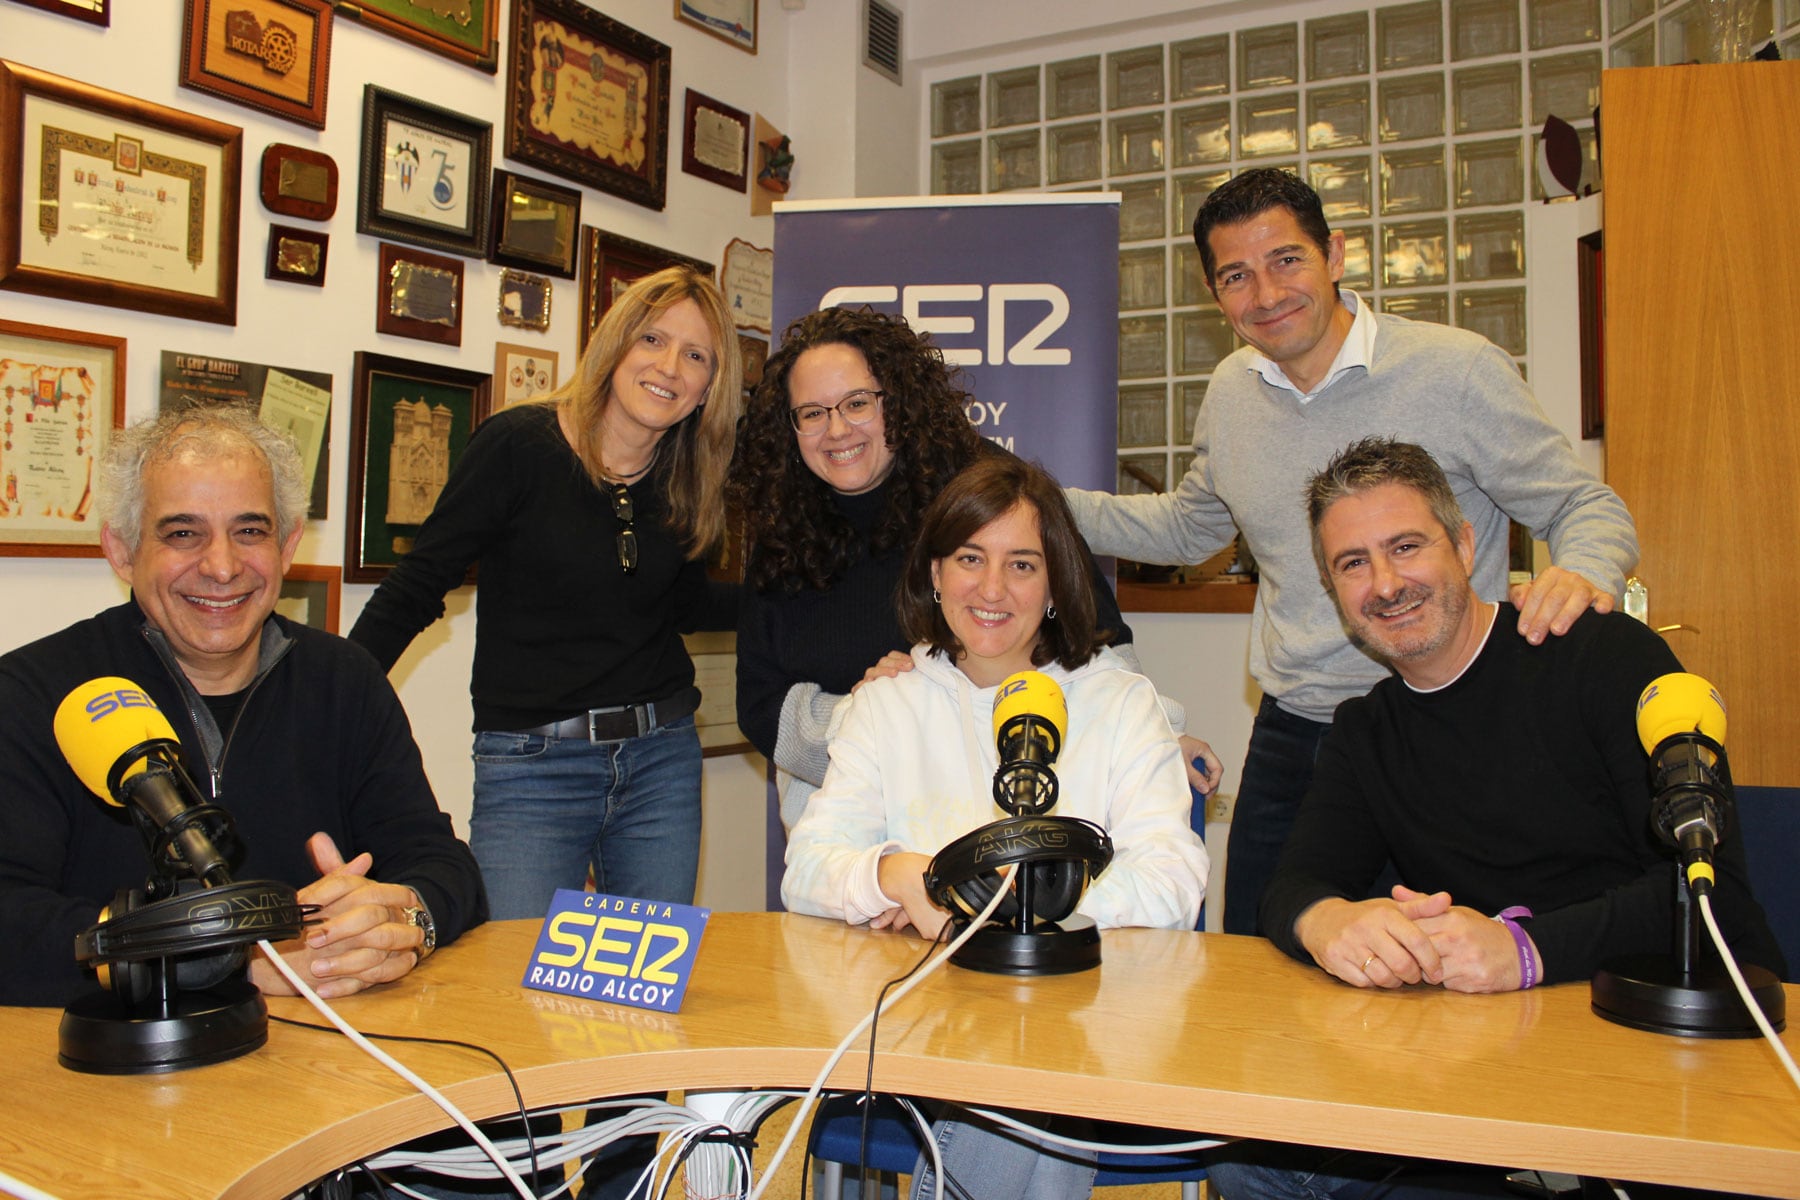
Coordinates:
(797, 537)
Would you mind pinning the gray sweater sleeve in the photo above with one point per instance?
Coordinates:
(1527, 467)
(800, 739)
(1187, 525)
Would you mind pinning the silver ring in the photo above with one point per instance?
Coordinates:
(1366, 962)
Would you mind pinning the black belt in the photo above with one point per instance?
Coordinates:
(625, 721)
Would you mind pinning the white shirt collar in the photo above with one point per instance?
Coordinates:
(1493, 613)
(1358, 350)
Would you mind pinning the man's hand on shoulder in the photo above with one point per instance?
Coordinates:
(1374, 943)
(363, 936)
(1550, 603)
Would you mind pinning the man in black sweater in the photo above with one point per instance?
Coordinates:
(295, 732)
(1504, 781)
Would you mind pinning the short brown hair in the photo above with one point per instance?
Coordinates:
(1369, 463)
(982, 492)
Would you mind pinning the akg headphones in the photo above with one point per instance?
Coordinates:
(201, 932)
(1062, 855)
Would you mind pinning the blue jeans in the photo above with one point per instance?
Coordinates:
(1278, 770)
(548, 809)
(1273, 1171)
(983, 1161)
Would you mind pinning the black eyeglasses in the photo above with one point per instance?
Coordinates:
(627, 541)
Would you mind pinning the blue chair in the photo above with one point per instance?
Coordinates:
(894, 1144)
(1768, 823)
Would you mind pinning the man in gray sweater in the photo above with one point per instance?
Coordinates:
(1320, 370)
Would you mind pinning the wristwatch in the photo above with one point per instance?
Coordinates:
(418, 916)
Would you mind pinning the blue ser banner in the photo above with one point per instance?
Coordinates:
(1020, 292)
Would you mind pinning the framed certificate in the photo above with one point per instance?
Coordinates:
(610, 264)
(62, 396)
(731, 21)
(588, 99)
(424, 174)
(94, 12)
(459, 29)
(113, 200)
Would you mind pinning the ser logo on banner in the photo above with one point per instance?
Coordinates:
(1028, 351)
(614, 948)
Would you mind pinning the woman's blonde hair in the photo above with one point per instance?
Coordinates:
(698, 450)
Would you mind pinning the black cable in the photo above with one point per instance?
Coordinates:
(518, 1096)
(868, 1104)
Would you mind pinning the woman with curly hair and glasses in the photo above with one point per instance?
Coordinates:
(856, 427)
(588, 513)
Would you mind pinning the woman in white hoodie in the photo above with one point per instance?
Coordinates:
(995, 585)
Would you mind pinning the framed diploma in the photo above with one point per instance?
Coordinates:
(522, 372)
(715, 142)
(311, 595)
(62, 395)
(270, 55)
(419, 295)
(424, 174)
(459, 29)
(610, 264)
(113, 200)
(588, 99)
(731, 21)
(748, 281)
(408, 427)
(95, 12)
(535, 224)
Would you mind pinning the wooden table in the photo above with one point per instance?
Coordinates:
(1196, 1031)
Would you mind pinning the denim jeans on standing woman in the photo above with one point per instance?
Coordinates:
(546, 808)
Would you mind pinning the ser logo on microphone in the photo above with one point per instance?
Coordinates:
(107, 703)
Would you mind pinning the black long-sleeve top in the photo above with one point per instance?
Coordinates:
(1522, 782)
(319, 744)
(830, 637)
(559, 626)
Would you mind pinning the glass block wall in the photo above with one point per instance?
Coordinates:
(1418, 123)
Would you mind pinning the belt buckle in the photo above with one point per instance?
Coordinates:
(644, 714)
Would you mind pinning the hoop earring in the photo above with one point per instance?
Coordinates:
(1050, 613)
(937, 597)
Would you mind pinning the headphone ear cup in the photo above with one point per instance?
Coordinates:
(1062, 853)
(129, 981)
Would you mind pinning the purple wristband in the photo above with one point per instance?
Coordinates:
(1527, 960)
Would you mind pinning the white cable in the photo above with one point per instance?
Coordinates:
(1737, 977)
(812, 1093)
(21, 1189)
(1102, 1147)
(391, 1063)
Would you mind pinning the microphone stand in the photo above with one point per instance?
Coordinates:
(1031, 942)
(1675, 993)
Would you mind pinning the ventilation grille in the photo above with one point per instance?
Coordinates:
(881, 39)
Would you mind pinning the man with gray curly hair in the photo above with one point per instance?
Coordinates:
(295, 732)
